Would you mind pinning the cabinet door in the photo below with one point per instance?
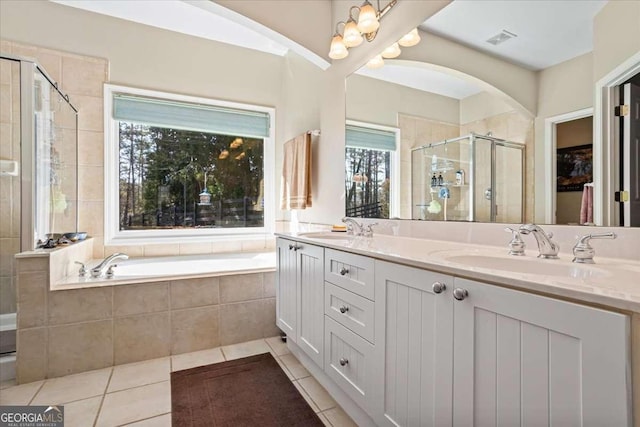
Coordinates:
(310, 304)
(526, 360)
(414, 342)
(286, 288)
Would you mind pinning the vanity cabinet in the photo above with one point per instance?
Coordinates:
(414, 339)
(300, 295)
(523, 359)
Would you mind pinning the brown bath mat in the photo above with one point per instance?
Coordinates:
(253, 391)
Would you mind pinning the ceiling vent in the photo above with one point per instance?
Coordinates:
(501, 37)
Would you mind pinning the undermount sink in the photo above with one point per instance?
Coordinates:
(528, 266)
(328, 235)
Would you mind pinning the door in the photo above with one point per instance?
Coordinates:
(413, 353)
(527, 360)
(310, 304)
(286, 288)
(631, 155)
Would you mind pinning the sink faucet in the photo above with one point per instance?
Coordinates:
(548, 248)
(353, 226)
(583, 252)
(100, 268)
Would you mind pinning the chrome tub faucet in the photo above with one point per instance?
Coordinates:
(106, 264)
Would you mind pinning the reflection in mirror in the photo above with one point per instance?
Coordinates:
(460, 150)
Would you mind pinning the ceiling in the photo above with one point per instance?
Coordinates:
(548, 31)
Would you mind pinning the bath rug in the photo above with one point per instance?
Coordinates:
(253, 391)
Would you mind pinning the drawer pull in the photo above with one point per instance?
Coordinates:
(343, 361)
(291, 247)
(438, 287)
(344, 271)
(294, 247)
(344, 309)
(460, 294)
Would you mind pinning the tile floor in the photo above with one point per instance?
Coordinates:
(139, 394)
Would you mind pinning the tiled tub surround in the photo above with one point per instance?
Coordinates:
(68, 331)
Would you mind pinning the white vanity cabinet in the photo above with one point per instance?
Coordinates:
(523, 359)
(300, 295)
(414, 340)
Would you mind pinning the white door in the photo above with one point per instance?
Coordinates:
(286, 288)
(310, 306)
(413, 347)
(526, 360)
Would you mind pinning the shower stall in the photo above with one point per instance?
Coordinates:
(471, 178)
(38, 175)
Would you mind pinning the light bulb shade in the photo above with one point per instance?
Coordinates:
(392, 51)
(410, 39)
(338, 49)
(368, 18)
(351, 36)
(375, 62)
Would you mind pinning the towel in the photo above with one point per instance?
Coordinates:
(586, 207)
(296, 173)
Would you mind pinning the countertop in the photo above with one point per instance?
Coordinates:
(610, 282)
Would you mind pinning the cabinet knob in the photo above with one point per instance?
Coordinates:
(344, 309)
(438, 287)
(343, 361)
(291, 247)
(343, 271)
(460, 294)
(294, 247)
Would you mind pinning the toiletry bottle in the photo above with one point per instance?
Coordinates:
(434, 180)
(460, 177)
(440, 180)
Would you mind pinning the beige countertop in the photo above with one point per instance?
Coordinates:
(611, 282)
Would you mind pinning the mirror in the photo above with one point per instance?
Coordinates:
(464, 151)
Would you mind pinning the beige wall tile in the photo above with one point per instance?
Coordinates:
(51, 62)
(240, 287)
(269, 328)
(195, 248)
(90, 148)
(269, 282)
(196, 358)
(194, 329)
(90, 183)
(90, 218)
(79, 348)
(31, 363)
(195, 292)
(134, 251)
(80, 305)
(143, 337)
(83, 77)
(226, 246)
(90, 112)
(33, 264)
(141, 298)
(161, 250)
(241, 322)
(253, 245)
(32, 299)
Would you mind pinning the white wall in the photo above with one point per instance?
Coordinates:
(376, 101)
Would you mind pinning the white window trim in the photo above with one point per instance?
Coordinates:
(114, 236)
(394, 197)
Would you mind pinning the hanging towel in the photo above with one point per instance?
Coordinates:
(586, 207)
(296, 173)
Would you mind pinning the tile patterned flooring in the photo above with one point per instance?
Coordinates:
(139, 394)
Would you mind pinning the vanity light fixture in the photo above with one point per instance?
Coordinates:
(412, 38)
(366, 27)
(392, 51)
(375, 62)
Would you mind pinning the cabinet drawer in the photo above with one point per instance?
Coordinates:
(351, 272)
(350, 310)
(348, 361)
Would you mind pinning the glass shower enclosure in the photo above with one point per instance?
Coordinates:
(471, 178)
(38, 173)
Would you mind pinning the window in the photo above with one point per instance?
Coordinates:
(371, 184)
(185, 168)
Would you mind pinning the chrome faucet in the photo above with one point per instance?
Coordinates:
(353, 226)
(548, 248)
(100, 268)
(583, 252)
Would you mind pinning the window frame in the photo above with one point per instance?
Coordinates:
(394, 197)
(112, 233)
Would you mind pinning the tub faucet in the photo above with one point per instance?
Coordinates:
(353, 226)
(100, 268)
(548, 248)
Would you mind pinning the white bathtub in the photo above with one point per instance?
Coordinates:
(141, 270)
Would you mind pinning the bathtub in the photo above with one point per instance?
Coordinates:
(141, 270)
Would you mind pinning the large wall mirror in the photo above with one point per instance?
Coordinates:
(427, 143)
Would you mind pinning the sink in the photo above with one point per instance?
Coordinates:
(528, 266)
(328, 235)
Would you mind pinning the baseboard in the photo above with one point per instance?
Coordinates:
(357, 414)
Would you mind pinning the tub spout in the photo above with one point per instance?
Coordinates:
(100, 268)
